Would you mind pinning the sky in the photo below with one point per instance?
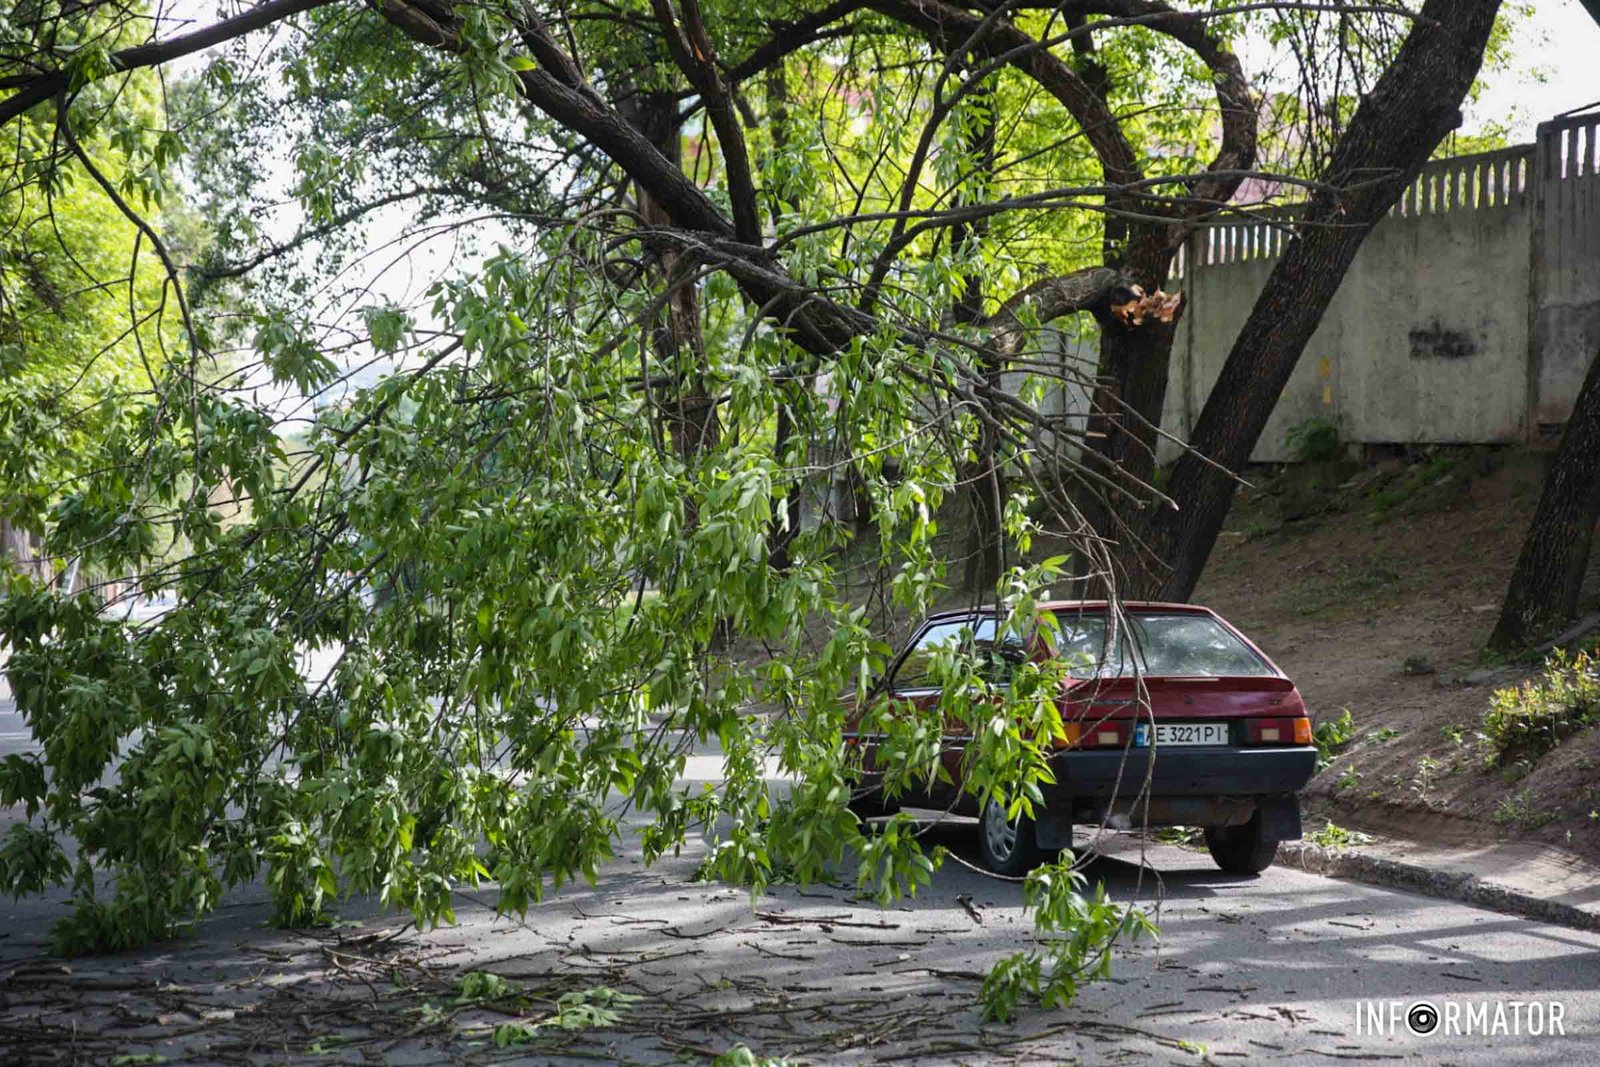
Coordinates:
(1556, 51)
(1553, 70)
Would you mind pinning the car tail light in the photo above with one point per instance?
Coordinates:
(1106, 734)
(1277, 731)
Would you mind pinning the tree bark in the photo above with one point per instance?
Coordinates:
(1544, 589)
(1393, 132)
(986, 477)
(1133, 371)
(786, 523)
(33, 90)
(676, 337)
(21, 548)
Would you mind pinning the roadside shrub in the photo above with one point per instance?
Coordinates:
(1315, 440)
(1531, 718)
(1331, 735)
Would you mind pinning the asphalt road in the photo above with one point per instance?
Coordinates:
(1274, 968)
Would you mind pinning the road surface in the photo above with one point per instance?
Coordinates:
(1270, 969)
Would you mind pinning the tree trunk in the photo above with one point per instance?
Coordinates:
(1134, 365)
(1394, 131)
(1544, 588)
(786, 523)
(676, 337)
(985, 479)
(18, 546)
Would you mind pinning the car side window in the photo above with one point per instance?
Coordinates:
(916, 670)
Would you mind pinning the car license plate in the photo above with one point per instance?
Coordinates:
(1185, 733)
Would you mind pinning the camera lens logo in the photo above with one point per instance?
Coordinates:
(1423, 1019)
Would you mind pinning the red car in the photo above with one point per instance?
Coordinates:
(1221, 740)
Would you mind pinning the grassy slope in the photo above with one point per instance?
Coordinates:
(1406, 564)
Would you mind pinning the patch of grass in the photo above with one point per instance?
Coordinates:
(1387, 733)
(1316, 440)
(1349, 779)
(1416, 478)
(1494, 658)
(1362, 581)
(1334, 836)
(1517, 771)
(1527, 720)
(1517, 812)
(1255, 529)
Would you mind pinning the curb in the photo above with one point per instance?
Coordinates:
(1354, 866)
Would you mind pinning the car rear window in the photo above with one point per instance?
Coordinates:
(1178, 644)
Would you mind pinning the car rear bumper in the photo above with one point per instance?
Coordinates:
(1181, 772)
(1201, 786)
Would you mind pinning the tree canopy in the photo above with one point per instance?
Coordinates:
(736, 303)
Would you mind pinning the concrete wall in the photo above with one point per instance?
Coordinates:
(1566, 259)
(1469, 316)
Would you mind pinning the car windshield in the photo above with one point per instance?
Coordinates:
(1178, 644)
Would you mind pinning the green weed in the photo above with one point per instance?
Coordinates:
(1413, 481)
(1527, 720)
(1316, 440)
(1517, 811)
(1334, 836)
(1331, 735)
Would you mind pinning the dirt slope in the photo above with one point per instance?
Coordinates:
(1376, 597)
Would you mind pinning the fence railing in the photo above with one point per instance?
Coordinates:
(1567, 149)
(1473, 183)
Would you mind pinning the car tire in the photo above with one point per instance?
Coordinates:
(1008, 848)
(1241, 849)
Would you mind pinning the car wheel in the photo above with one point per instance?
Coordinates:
(1240, 849)
(1009, 848)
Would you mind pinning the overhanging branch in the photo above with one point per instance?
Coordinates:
(35, 89)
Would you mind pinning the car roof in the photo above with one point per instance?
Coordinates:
(1135, 606)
